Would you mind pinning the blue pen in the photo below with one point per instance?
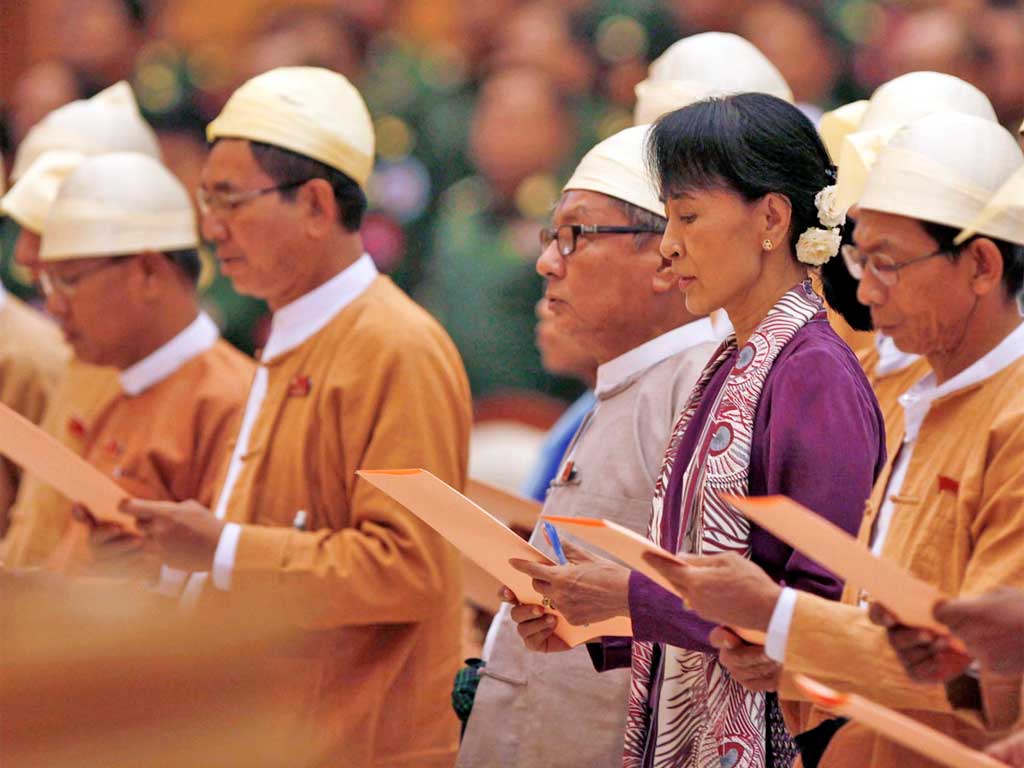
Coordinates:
(556, 543)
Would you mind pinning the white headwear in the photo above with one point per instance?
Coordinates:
(616, 168)
(309, 110)
(705, 65)
(30, 197)
(836, 125)
(118, 204)
(108, 122)
(893, 105)
(1003, 213)
(946, 168)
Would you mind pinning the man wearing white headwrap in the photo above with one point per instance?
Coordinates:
(705, 65)
(948, 505)
(855, 133)
(119, 270)
(108, 122)
(610, 291)
(32, 360)
(353, 376)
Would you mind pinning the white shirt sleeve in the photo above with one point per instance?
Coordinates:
(224, 557)
(778, 627)
(171, 581)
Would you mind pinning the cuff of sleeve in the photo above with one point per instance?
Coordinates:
(611, 653)
(778, 627)
(171, 581)
(224, 557)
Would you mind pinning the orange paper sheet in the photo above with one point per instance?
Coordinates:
(510, 508)
(483, 539)
(630, 547)
(40, 454)
(896, 726)
(909, 598)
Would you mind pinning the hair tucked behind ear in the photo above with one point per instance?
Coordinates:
(754, 144)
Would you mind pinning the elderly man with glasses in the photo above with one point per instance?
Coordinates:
(609, 291)
(119, 268)
(354, 375)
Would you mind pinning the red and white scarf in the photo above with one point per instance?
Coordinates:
(704, 718)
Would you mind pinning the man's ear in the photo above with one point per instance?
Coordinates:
(151, 266)
(664, 278)
(316, 197)
(987, 265)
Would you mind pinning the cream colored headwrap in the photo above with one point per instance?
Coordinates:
(29, 199)
(616, 168)
(1003, 213)
(309, 110)
(705, 65)
(893, 105)
(946, 168)
(118, 204)
(836, 125)
(108, 122)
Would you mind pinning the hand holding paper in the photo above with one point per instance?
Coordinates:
(896, 726)
(483, 539)
(40, 454)
(905, 595)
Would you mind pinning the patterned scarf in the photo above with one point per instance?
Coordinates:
(704, 718)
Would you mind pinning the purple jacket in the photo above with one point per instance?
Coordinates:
(818, 438)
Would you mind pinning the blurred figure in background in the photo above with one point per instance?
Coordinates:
(481, 283)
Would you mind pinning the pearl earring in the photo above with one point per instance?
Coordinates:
(767, 245)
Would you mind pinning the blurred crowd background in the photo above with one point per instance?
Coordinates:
(482, 107)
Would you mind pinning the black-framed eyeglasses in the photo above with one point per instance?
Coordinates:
(566, 234)
(218, 202)
(882, 266)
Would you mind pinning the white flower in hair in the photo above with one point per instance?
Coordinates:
(828, 211)
(816, 246)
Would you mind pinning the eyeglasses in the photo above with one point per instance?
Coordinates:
(66, 286)
(882, 266)
(567, 233)
(214, 201)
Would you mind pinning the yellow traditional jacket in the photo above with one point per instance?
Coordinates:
(33, 357)
(888, 387)
(958, 524)
(376, 593)
(168, 442)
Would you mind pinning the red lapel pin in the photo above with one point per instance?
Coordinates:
(300, 386)
(948, 484)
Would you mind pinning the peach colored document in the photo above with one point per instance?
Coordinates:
(40, 454)
(510, 508)
(483, 539)
(896, 726)
(630, 547)
(909, 598)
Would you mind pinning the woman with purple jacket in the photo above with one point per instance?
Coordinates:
(782, 408)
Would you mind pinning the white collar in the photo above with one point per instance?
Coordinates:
(199, 336)
(616, 372)
(3, 295)
(294, 323)
(890, 357)
(918, 399)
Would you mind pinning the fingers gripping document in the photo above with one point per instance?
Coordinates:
(630, 548)
(42, 455)
(483, 539)
(896, 726)
(909, 598)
